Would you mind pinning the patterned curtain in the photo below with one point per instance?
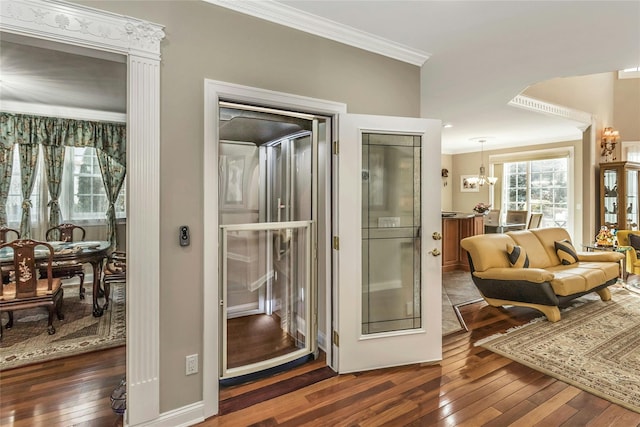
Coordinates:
(109, 140)
(53, 135)
(6, 167)
(54, 159)
(113, 168)
(28, 161)
(7, 141)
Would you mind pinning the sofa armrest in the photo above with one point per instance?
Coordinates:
(632, 258)
(601, 256)
(534, 275)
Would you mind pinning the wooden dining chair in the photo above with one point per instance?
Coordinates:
(115, 271)
(6, 235)
(517, 217)
(28, 291)
(67, 269)
(534, 220)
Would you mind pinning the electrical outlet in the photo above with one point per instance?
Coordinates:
(192, 364)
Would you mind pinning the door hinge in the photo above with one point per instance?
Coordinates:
(336, 148)
(336, 339)
(336, 243)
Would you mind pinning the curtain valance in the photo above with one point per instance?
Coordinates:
(56, 131)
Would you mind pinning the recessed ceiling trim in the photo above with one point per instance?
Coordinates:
(313, 24)
(535, 105)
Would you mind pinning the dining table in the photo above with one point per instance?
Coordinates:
(84, 252)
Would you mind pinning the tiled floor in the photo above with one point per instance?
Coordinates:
(457, 289)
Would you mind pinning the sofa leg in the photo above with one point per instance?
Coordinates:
(552, 312)
(605, 294)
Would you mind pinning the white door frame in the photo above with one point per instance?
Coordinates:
(138, 41)
(213, 92)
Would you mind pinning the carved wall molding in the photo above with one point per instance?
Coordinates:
(76, 24)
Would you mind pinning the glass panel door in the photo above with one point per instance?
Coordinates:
(632, 199)
(611, 198)
(390, 232)
(388, 273)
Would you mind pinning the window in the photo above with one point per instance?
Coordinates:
(539, 186)
(82, 196)
(14, 199)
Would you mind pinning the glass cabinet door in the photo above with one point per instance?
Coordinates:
(611, 197)
(632, 200)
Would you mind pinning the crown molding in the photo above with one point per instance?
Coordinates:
(531, 104)
(313, 24)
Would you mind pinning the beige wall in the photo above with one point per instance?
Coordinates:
(593, 94)
(446, 197)
(204, 41)
(626, 109)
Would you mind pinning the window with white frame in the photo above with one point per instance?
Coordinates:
(82, 196)
(539, 186)
(14, 200)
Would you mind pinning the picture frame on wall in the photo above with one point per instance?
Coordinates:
(466, 184)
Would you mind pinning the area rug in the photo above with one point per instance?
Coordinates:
(595, 347)
(28, 341)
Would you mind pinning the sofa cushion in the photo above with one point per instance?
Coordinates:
(575, 278)
(566, 252)
(610, 270)
(538, 256)
(517, 256)
(548, 237)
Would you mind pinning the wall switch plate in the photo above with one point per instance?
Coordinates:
(192, 364)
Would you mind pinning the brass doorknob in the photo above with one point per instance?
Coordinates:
(436, 236)
(435, 252)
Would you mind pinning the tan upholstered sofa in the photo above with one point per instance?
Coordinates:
(540, 279)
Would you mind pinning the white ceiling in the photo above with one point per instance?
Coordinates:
(35, 72)
(479, 55)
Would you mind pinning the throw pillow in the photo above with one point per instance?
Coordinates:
(634, 242)
(566, 252)
(517, 256)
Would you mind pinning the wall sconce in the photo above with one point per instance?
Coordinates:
(610, 137)
(445, 175)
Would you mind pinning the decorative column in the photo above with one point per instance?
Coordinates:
(143, 240)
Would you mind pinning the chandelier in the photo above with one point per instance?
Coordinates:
(482, 177)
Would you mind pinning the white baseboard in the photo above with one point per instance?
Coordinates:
(181, 417)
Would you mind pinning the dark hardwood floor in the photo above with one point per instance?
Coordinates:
(470, 387)
(73, 391)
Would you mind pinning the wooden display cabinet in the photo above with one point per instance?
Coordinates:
(619, 195)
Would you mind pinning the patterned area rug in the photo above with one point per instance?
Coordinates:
(595, 347)
(28, 342)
